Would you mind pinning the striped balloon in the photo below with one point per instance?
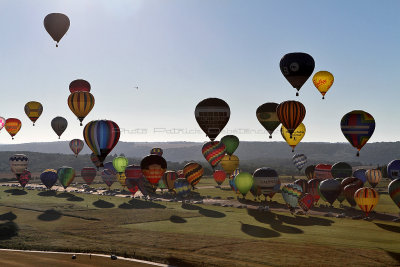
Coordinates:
(374, 176)
(303, 184)
(299, 160)
(323, 171)
(76, 146)
(235, 172)
(233, 185)
(182, 187)
(108, 177)
(291, 194)
(291, 114)
(169, 178)
(81, 103)
(18, 163)
(33, 110)
(366, 199)
(213, 152)
(394, 191)
(88, 174)
(153, 168)
(101, 136)
(313, 189)
(65, 176)
(357, 126)
(193, 173)
(12, 126)
(219, 176)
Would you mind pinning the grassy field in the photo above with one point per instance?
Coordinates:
(193, 235)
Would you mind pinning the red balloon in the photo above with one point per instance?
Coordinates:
(219, 176)
(306, 201)
(79, 86)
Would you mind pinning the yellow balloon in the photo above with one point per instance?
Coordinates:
(229, 164)
(323, 80)
(121, 179)
(367, 199)
(33, 110)
(297, 135)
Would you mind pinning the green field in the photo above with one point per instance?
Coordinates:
(189, 234)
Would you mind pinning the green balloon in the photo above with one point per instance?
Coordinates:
(66, 175)
(244, 182)
(120, 164)
(231, 143)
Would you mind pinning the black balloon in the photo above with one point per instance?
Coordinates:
(330, 189)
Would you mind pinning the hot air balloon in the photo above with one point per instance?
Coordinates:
(330, 189)
(255, 191)
(393, 169)
(212, 114)
(169, 179)
(349, 191)
(357, 126)
(266, 179)
(367, 199)
(59, 124)
(229, 164)
(291, 114)
(101, 136)
(193, 173)
(360, 174)
(24, 178)
(18, 164)
(233, 185)
(394, 191)
(303, 184)
(2, 122)
(81, 103)
(299, 161)
(341, 170)
(244, 181)
(65, 176)
(306, 202)
(88, 174)
(293, 139)
(135, 178)
(266, 115)
(33, 110)
(323, 171)
(13, 126)
(291, 194)
(153, 168)
(297, 68)
(121, 179)
(213, 152)
(109, 165)
(161, 185)
(231, 143)
(76, 146)
(56, 24)
(352, 180)
(79, 86)
(95, 160)
(323, 80)
(341, 196)
(310, 172)
(275, 189)
(219, 176)
(131, 184)
(313, 189)
(156, 151)
(374, 176)
(108, 177)
(120, 163)
(182, 187)
(49, 177)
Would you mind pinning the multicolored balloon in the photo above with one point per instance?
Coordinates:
(156, 151)
(88, 174)
(266, 115)
(109, 177)
(394, 191)
(244, 181)
(313, 189)
(367, 199)
(33, 110)
(79, 86)
(229, 164)
(341, 170)
(374, 176)
(101, 136)
(49, 177)
(231, 143)
(153, 168)
(182, 187)
(303, 184)
(95, 160)
(306, 202)
(291, 114)
(24, 178)
(169, 179)
(291, 193)
(310, 172)
(299, 161)
(266, 179)
(213, 152)
(323, 81)
(76, 145)
(65, 176)
(393, 169)
(293, 139)
(56, 24)
(59, 124)
(12, 126)
(193, 173)
(109, 165)
(219, 176)
(81, 103)
(121, 178)
(323, 171)
(212, 114)
(357, 126)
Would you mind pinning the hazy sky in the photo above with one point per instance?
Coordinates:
(180, 52)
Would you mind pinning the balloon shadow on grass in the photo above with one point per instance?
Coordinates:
(50, 215)
(103, 204)
(177, 219)
(258, 231)
(75, 198)
(304, 221)
(388, 227)
(140, 204)
(188, 206)
(211, 213)
(16, 192)
(47, 193)
(8, 230)
(271, 218)
(64, 195)
(9, 216)
(394, 255)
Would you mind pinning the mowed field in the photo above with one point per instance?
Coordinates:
(197, 234)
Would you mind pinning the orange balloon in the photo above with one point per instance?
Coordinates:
(13, 126)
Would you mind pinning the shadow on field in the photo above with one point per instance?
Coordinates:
(211, 213)
(258, 231)
(177, 219)
(75, 198)
(388, 227)
(103, 204)
(64, 195)
(50, 215)
(179, 262)
(271, 218)
(188, 206)
(394, 255)
(49, 193)
(304, 221)
(140, 204)
(8, 230)
(16, 192)
(9, 216)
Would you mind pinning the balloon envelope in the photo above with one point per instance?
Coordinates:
(2, 122)
(310, 172)
(153, 168)
(12, 126)
(33, 110)
(120, 163)
(88, 174)
(193, 173)
(293, 139)
(349, 191)
(169, 179)
(182, 187)
(95, 160)
(57, 25)
(59, 124)
(266, 115)
(49, 177)
(18, 163)
(306, 201)
(374, 176)
(367, 199)
(76, 145)
(213, 152)
(313, 188)
(303, 184)
(79, 86)
(291, 194)
(394, 191)
(24, 178)
(291, 114)
(393, 169)
(265, 179)
(81, 103)
(323, 81)
(231, 143)
(330, 189)
(360, 174)
(156, 151)
(65, 176)
(229, 164)
(244, 181)
(299, 161)
(341, 170)
(219, 176)
(108, 177)
(323, 171)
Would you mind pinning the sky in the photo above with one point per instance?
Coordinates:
(180, 52)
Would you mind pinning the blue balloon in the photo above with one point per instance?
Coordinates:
(182, 187)
(109, 165)
(49, 177)
(393, 169)
(360, 174)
